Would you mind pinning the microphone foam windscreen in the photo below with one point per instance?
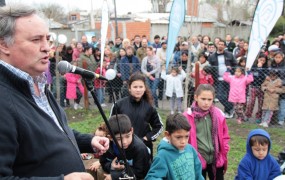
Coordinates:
(63, 67)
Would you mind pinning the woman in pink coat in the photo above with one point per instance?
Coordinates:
(74, 88)
(237, 94)
(209, 133)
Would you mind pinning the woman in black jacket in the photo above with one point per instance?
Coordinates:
(139, 107)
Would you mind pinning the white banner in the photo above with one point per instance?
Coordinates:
(265, 17)
(104, 30)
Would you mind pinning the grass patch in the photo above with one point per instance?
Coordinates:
(86, 121)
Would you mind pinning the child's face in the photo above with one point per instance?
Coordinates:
(127, 139)
(100, 133)
(261, 60)
(242, 64)
(238, 72)
(259, 151)
(202, 59)
(278, 58)
(273, 77)
(204, 99)
(178, 138)
(173, 73)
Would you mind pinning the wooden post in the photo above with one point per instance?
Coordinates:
(86, 98)
(197, 74)
(57, 75)
(187, 79)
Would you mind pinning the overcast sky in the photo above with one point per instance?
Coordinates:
(123, 6)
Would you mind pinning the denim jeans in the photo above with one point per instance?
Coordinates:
(100, 94)
(172, 103)
(153, 87)
(222, 90)
(281, 112)
(266, 116)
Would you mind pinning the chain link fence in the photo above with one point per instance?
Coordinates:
(265, 97)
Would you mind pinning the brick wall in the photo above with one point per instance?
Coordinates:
(192, 7)
(207, 25)
(131, 28)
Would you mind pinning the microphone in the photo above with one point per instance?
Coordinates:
(65, 67)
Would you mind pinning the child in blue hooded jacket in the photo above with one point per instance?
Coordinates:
(176, 159)
(258, 163)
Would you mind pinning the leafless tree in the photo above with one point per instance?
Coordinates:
(159, 5)
(53, 11)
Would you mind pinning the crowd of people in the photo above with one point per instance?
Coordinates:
(37, 143)
(221, 63)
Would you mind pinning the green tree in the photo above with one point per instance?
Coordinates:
(279, 27)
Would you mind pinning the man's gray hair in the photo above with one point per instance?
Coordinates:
(8, 16)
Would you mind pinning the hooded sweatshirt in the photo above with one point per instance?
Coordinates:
(252, 168)
(171, 163)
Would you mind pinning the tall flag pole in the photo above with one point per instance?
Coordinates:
(176, 20)
(104, 30)
(266, 15)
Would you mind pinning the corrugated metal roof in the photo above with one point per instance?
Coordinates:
(163, 18)
(55, 25)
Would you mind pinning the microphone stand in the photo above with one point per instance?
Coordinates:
(127, 173)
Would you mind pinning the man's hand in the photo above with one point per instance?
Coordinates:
(79, 176)
(100, 144)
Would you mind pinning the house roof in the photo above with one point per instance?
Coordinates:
(55, 25)
(163, 18)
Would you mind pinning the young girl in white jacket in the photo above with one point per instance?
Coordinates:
(174, 86)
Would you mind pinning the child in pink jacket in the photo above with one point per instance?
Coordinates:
(209, 133)
(74, 87)
(237, 94)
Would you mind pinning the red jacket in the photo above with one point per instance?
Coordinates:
(100, 83)
(204, 79)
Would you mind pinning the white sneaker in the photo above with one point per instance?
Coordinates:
(261, 124)
(75, 106)
(172, 112)
(179, 112)
(103, 105)
(79, 106)
(229, 116)
(265, 124)
(281, 123)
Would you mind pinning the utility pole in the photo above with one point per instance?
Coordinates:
(116, 22)
(92, 22)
